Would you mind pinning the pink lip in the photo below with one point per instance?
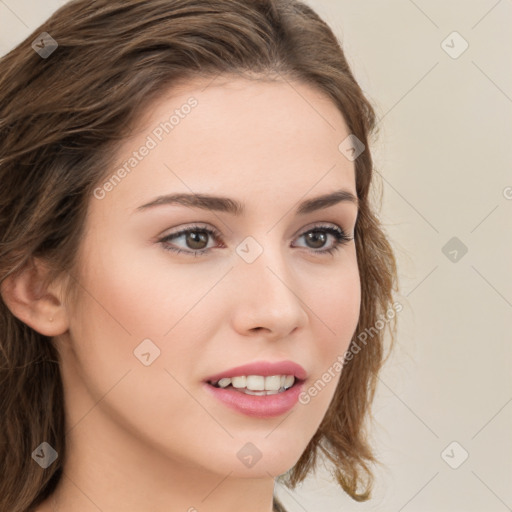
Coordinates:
(264, 406)
(268, 406)
(264, 368)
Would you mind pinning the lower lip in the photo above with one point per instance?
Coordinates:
(266, 406)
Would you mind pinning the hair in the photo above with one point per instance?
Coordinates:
(61, 118)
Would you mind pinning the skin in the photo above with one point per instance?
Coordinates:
(150, 437)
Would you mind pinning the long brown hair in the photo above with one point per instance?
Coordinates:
(60, 118)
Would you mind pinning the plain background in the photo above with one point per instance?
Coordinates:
(443, 156)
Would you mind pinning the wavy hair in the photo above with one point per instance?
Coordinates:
(61, 118)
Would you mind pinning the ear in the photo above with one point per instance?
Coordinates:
(40, 308)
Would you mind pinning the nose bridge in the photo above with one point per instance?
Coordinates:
(269, 298)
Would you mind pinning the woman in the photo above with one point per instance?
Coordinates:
(188, 253)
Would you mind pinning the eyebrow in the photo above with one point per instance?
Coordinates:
(234, 207)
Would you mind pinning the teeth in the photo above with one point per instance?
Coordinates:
(258, 384)
(255, 383)
(238, 382)
(259, 393)
(288, 383)
(273, 383)
(224, 383)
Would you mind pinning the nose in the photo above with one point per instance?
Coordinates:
(267, 298)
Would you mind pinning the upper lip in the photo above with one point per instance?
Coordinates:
(264, 368)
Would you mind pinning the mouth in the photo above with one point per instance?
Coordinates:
(257, 396)
(261, 389)
(257, 385)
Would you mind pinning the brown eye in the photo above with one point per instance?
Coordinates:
(316, 239)
(195, 240)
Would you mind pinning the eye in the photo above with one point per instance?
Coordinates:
(317, 236)
(196, 239)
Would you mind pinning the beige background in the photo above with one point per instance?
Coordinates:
(444, 154)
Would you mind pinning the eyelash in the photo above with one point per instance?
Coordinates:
(340, 236)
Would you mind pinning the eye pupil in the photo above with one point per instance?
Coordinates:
(316, 236)
(197, 237)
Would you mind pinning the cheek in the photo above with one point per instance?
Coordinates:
(337, 311)
(127, 300)
(337, 308)
(137, 295)
(125, 308)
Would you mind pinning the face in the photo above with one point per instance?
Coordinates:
(173, 294)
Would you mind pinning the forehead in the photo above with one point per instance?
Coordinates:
(273, 139)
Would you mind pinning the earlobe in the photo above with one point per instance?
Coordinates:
(40, 308)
